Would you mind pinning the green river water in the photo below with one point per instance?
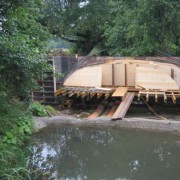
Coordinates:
(71, 153)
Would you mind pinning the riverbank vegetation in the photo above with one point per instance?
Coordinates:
(23, 42)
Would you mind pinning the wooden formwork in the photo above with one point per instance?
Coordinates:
(85, 92)
(124, 78)
(171, 94)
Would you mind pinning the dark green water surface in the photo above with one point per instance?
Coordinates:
(105, 153)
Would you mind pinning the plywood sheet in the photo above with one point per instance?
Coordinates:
(86, 77)
(107, 74)
(151, 78)
(177, 76)
(120, 92)
(119, 74)
(130, 74)
(166, 69)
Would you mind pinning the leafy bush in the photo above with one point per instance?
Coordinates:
(15, 128)
(38, 110)
(21, 129)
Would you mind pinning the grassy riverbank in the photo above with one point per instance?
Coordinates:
(15, 129)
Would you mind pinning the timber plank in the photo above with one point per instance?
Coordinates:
(151, 78)
(85, 77)
(124, 106)
(120, 92)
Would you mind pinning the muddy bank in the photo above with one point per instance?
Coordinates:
(135, 123)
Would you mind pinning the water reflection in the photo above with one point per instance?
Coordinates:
(86, 153)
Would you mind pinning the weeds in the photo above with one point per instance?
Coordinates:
(15, 128)
(37, 109)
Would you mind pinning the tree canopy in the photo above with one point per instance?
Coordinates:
(143, 27)
(80, 22)
(22, 45)
(132, 27)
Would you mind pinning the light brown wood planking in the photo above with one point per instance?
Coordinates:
(152, 78)
(127, 72)
(124, 106)
(107, 74)
(120, 92)
(130, 74)
(119, 72)
(86, 77)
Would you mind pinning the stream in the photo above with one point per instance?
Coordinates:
(71, 153)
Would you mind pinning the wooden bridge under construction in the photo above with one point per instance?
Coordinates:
(123, 79)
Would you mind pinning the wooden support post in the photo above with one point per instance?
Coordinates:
(147, 97)
(99, 95)
(78, 94)
(139, 96)
(107, 95)
(173, 98)
(113, 75)
(92, 95)
(156, 98)
(84, 94)
(165, 97)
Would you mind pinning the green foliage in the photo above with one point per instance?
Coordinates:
(13, 162)
(15, 128)
(21, 129)
(144, 27)
(119, 28)
(22, 46)
(51, 110)
(82, 23)
(37, 109)
(15, 122)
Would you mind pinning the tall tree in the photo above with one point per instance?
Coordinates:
(22, 45)
(81, 22)
(131, 27)
(143, 27)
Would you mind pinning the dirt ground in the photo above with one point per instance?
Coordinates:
(137, 117)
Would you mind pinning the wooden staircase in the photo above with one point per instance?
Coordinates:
(47, 87)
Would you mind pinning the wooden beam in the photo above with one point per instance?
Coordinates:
(65, 93)
(99, 95)
(107, 95)
(165, 98)
(120, 92)
(125, 74)
(113, 75)
(92, 95)
(60, 91)
(139, 96)
(72, 94)
(147, 97)
(123, 107)
(83, 94)
(78, 94)
(173, 98)
(156, 97)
